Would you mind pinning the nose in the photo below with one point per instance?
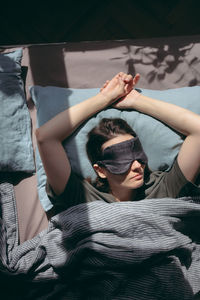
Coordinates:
(135, 165)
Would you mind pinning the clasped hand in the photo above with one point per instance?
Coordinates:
(120, 90)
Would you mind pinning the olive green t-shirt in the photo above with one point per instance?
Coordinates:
(160, 184)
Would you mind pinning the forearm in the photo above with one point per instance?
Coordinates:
(180, 119)
(65, 123)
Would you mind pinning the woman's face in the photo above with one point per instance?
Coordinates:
(132, 179)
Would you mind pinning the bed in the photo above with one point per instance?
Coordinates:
(45, 76)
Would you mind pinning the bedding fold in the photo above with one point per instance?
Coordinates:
(148, 249)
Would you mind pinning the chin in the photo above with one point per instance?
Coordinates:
(138, 184)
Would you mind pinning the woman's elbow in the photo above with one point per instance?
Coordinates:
(43, 136)
(40, 137)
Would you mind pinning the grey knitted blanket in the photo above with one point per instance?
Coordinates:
(148, 249)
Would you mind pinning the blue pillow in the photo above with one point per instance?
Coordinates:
(16, 150)
(160, 143)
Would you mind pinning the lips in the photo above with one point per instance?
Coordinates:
(138, 176)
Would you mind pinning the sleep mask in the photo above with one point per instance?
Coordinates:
(118, 158)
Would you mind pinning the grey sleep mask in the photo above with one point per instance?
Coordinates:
(118, 158)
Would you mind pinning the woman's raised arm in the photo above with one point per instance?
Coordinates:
(50, 135)
(180, 119)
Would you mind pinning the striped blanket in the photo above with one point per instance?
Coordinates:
(142, 250)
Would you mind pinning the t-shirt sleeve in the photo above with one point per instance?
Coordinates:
(174, 181)
(171, 184)
(177, 185)
(73, 194)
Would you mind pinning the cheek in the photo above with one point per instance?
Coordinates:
(120, 178)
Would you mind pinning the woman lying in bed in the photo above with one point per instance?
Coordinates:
(115, 150)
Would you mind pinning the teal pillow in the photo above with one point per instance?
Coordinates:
(160, 143)
(16, 150)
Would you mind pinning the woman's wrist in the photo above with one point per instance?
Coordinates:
(105, 99)
(142, 103)
(136, 96)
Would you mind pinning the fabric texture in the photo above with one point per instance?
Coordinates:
(132, 250)
(16, 151)
(160, 143)
(118, 158)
